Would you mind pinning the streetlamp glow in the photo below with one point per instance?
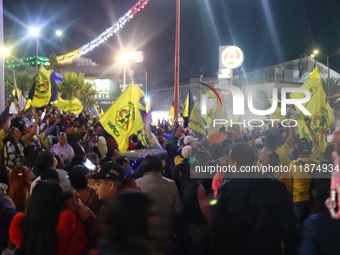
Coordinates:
(124, 58)
(35, 31)
(4, 51)
(59, 33)
(328, 69)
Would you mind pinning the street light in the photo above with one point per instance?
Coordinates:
(124, 58)
(2, 64)
(315, 53)
(35, 31)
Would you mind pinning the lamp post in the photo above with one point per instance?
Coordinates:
(125, 57)
(2, 64)
(315, 53)
(146, 83)
(35, 31)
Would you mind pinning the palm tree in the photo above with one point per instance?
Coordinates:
(334, 89)
(74, 85)
(24, 81)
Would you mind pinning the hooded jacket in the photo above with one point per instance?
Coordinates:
(71, 233)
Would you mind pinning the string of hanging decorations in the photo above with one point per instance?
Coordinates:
(137, 7)
(68, 57)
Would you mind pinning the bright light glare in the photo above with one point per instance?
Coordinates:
(125, 57)
(315, 52)
(312, 55)
(59, 33)
(147, 100)
(34, 31)
(4, 52)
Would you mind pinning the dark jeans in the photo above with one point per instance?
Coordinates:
(301, 211)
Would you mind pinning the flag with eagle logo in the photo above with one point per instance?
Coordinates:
(123, 117)
(321, 113)
(44, 89)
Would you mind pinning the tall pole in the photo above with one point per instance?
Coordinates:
(146, 83)
(124, 81)
(2, 70)
(328, 78)
(177, 47)
(36, 55)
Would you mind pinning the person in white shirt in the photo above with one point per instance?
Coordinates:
(63, 149)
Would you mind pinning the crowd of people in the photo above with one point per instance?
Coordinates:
(66, 189)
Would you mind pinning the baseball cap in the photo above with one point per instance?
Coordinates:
(109, 171)
(304, 148)
(186, 151)
(188, 139)
(258, 141)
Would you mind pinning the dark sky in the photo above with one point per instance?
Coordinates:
(268, 31)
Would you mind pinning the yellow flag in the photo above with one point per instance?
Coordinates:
(195, 122)
(147, 107)
(123, 118)
(186, 107)
(276, 115)
(209, 116)
(321, 118)
(171, 114)
(41, 91)
(99, 110)
(73, 105)
(220, 113)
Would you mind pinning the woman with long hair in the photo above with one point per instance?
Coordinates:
(44, 228)
(13, 148)
(20, 179)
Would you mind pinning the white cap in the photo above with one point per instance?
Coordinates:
(186, 151)
(188, 139)
(258, 141)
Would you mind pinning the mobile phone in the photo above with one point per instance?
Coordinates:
(329, 137)
(89, 165)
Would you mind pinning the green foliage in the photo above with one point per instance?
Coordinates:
(24, 80)
(75, 85)
(334, 89)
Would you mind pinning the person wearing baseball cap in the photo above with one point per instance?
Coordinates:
(189, 139)
(108, 180)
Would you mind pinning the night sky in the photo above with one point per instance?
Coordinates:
(268, 31)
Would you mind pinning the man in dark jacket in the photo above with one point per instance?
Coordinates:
(252, 215)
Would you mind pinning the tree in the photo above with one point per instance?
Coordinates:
(77, 86)
(24, 81)
(334, 89)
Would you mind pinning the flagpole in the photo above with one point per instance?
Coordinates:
(2, 67)
(177, 47)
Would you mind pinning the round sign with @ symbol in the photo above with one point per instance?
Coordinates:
(232, 57)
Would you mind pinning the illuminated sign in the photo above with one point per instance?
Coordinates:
(230, 57)
(134, 56)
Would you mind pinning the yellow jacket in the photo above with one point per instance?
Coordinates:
(301, 171)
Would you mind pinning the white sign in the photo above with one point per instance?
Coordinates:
(239, 101)
(232, 57)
